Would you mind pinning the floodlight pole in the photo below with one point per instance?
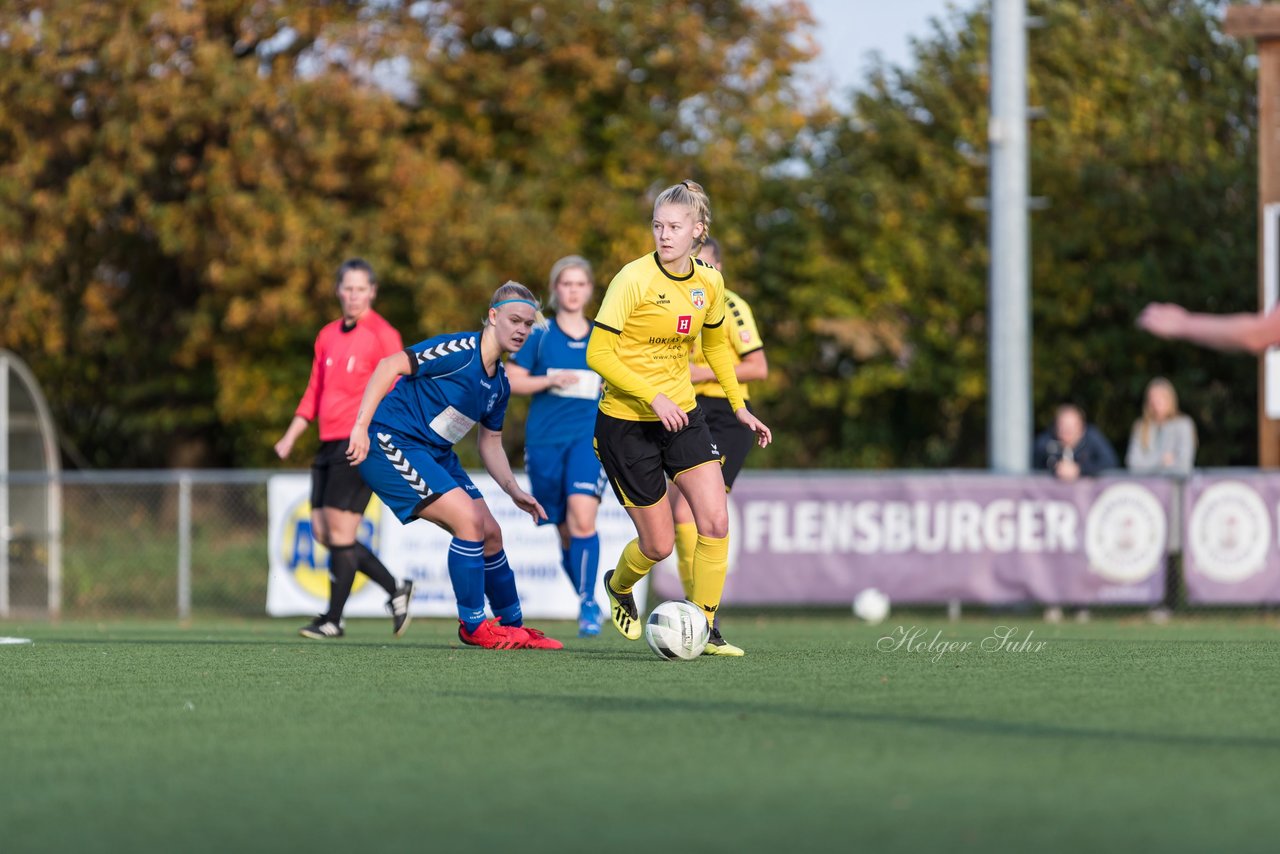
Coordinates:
(1009, 425)
(1263, 23)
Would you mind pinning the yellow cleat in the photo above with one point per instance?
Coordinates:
(622, 607)
(717, 645)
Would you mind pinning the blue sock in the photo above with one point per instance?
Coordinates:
(584, 554)
(570, 568)
(466, 572)
(500, 587)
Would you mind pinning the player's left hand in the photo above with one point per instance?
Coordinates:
(763, 434)
(1163, 319)
(358, 447)
(529, 504)
(562, 380)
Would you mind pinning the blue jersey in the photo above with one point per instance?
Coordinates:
(447, 393)
(562, 415)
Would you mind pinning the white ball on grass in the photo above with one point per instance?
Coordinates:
(677, 630)
(871, 606)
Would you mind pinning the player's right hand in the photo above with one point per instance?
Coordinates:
(672, 417)
(1162, 319)
(283, 447)
(358, 447)
(529, 504)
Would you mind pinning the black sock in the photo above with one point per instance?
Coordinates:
(343, 565)
(372, 567)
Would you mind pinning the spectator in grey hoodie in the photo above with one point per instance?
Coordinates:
(1163, 440)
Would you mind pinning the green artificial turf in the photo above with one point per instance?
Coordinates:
(241, 736)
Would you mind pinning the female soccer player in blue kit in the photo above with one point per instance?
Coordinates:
(564, 472)
(451, 382)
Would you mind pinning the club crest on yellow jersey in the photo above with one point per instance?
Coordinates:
(698, 296)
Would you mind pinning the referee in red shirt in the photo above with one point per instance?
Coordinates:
(346, 352)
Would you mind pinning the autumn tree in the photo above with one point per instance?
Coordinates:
(178, 181)
(176, 192)
(1146, 156)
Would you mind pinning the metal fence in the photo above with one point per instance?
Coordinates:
(152, 543)
(194, 542)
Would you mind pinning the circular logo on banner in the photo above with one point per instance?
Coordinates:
(306, 560)
(1125, 534)
(1229, 532)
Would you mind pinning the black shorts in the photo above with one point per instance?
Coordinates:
(639, 456)
(733, 438)
(335, 483)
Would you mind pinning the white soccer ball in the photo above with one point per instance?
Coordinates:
(871, 605)
(677, 630)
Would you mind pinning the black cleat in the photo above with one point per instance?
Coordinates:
(398, 605)
(321, 628)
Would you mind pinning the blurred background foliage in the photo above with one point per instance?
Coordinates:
(178, 181)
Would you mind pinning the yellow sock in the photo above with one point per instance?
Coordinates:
(686, 542)
(632, 566)
(710, 565)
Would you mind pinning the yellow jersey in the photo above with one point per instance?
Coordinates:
(743, 335)
(657, 317)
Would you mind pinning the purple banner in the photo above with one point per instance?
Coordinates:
(932, 539)
(1230, 555)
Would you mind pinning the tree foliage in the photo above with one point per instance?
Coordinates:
(175, 194)
(1147, 157)
(179, 180)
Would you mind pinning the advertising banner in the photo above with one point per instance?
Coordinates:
(1230, 555)
(821, 539)
(298, 583)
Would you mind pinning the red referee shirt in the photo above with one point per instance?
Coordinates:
(343, 362)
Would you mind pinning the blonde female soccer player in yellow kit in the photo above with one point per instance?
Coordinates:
(649, 427)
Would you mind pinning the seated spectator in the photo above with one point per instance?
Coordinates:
(1163, 440)
(1073, 448)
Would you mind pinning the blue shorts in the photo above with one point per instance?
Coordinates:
(408, 475)
(558, 471)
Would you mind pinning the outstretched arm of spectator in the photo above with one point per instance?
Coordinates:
(1251, 332)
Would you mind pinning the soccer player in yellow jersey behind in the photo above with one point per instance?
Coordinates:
(649, 427)
(733, 439)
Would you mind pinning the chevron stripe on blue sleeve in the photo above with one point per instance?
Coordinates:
(444, 353)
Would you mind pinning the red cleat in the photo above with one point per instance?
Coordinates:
(537, 640)
(491, 635)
